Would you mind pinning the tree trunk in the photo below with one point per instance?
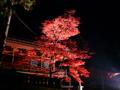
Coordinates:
(8, 26)
(4, 37)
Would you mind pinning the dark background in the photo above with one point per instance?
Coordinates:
(99, 27)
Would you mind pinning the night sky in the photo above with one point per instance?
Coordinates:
(99, 27)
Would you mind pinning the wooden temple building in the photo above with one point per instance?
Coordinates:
(13, 58)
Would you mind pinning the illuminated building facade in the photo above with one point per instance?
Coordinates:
(14, 54)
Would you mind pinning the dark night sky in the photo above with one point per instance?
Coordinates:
(99, 26)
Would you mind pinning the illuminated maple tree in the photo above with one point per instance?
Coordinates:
(56, 46)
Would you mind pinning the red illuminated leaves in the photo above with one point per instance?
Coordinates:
(67, 53)
(74, 73)
(83, 72)
(61, 28)
(55, 45)
(73, 63)
(76, 69)
(31, 53)
(67, 79)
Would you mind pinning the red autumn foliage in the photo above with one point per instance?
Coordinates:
(61, 28)
(55, 46)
